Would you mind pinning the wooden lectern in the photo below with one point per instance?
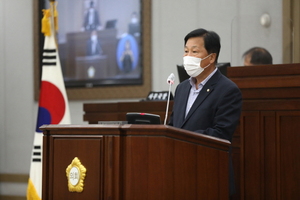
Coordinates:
(134, 162)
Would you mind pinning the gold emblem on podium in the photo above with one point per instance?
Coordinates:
(76, 173)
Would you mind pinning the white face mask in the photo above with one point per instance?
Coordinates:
(192, 65)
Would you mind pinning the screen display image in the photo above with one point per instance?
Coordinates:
(100, 44)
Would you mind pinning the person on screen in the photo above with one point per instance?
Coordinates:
(91, 19)
(134, 25)
(257, 56)
(127, 58)
(208, 102)
(93, 45)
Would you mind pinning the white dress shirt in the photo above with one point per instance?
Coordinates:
(195, 92)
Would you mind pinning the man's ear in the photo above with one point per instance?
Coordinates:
(212, 58)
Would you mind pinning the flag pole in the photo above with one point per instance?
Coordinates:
(54, 25)
(53, 101)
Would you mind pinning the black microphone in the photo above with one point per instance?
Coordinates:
(170, 81)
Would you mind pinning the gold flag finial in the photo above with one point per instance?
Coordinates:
(46, 29)
(46, 25)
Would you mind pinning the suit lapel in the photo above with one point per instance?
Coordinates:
(183, 101)
(204, 93)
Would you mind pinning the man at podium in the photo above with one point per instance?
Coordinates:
(207, 102)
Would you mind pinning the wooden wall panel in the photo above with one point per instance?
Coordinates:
(268, 157)
(250, 165)
(268, 131)
(289, 158)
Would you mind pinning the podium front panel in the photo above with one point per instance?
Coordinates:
(164, 168)
(131, 162)
(64, 149)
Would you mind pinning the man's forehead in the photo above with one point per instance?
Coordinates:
(195, 40)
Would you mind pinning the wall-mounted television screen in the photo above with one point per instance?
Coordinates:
(99, 42)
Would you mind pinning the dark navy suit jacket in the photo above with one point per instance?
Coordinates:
(215, 112)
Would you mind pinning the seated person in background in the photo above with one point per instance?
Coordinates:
(257, 56)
